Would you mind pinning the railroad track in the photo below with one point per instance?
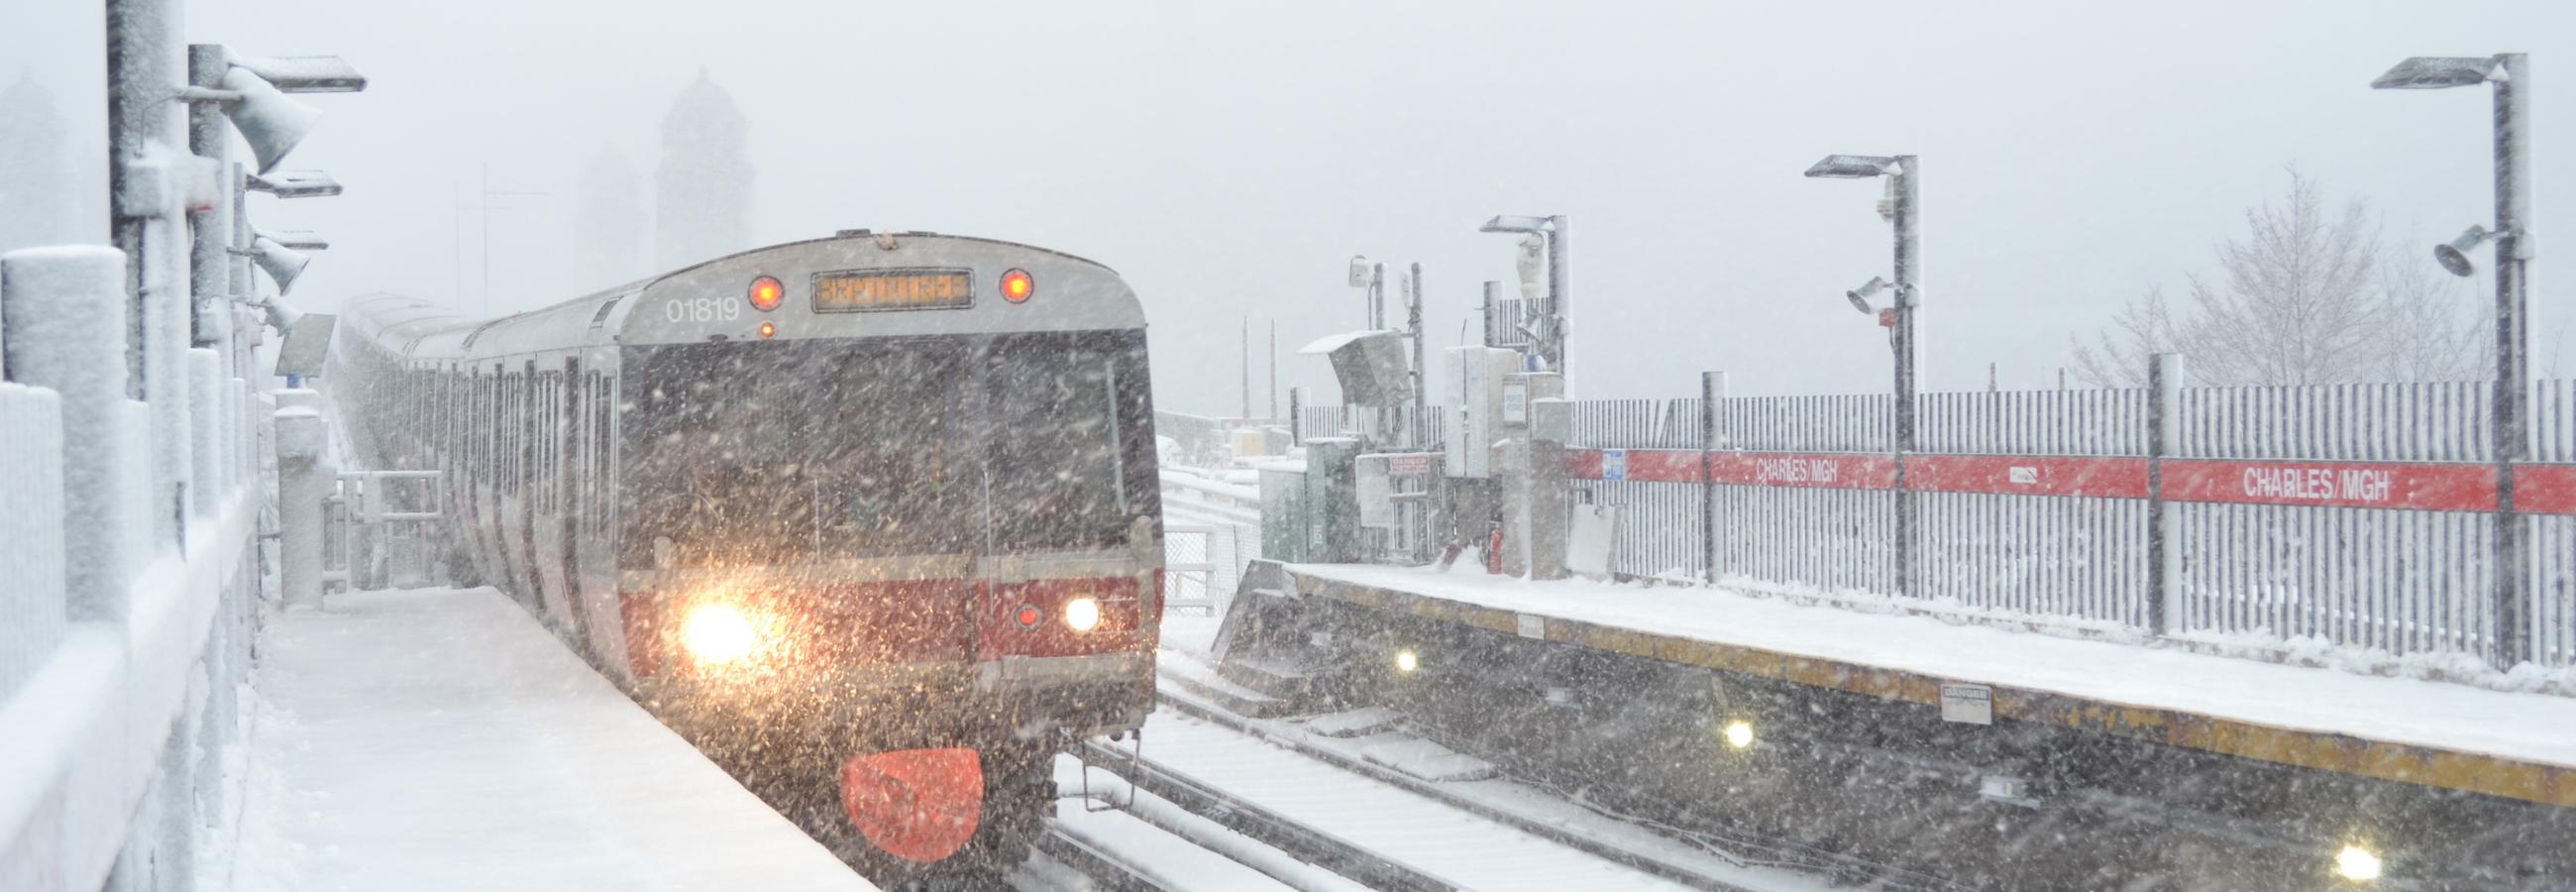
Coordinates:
(1104, 871)
(1376, 870)
(1644, 862)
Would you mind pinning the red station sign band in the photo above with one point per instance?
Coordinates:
(2416, 486)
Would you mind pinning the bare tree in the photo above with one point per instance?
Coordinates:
(2119, 354)
(2300, 298)
(2295, 302)
(2433, 327)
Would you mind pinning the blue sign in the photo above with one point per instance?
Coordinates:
(1614, 464)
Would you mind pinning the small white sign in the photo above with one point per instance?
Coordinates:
(1532, 626)
(1515, 404)
(1409, 464)
(1614, 464)
(1971, 704)
(2023, 475)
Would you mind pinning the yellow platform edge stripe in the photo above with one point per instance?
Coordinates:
(2323, 751)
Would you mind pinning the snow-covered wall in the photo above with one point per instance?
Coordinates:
(125, 619)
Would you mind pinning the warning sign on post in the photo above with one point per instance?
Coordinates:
(1971, 704)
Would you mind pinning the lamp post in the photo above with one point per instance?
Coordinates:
(1551, 340)
(1903, 174)
(2510, 74)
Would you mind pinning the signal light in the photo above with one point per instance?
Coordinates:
(1017, 287)
(767, 294)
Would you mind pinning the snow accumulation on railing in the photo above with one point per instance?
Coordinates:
(130, 592)
(2360, 519)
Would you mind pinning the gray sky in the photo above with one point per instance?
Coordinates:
(1229, 158)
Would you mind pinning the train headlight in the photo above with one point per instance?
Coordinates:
(1017, 287)
(1739, 734)
(719, 634)
(1082, 614)
(1407, 661)
(2357, 863)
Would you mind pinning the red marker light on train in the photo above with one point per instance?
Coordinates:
(768, 329)
(1017, 286)
(1029, 616)
(766, 295)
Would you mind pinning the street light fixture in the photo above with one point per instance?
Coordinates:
(2510, 74)
(1551, 341)
(1903, 174)
(294, 184)
(298, 239)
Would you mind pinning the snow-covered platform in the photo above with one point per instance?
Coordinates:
(2452, 736)
(441, 740)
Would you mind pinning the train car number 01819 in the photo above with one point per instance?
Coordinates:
(701, 309)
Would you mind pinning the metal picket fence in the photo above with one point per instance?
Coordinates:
(2251, 576)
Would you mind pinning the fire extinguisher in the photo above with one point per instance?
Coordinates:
(1494, 545)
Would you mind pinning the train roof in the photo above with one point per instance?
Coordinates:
(422, 331)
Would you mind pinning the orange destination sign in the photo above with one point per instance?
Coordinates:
(863, 291)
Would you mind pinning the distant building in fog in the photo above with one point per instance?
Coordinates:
(609, 221)
(37, 203)
(702, 192)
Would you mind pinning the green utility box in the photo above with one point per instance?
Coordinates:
(1314, 516)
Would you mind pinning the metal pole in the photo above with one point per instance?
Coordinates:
(486, 205)
(2513, 207)
(1556, 300)
(1377, 297)
(1493, 292)
(2164, 562)
(1712, 387)
(1413, 326)
(1908, 281)
(209, 273)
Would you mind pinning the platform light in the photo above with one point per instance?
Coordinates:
(2357, 863)
(1407, 661)
(719, 634)
(2454, 255)
(294, 184)
(1739, 734)
(298, 239)
(1082, 614)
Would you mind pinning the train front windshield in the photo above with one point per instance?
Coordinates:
(760, 454)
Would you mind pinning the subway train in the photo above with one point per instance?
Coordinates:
(872, 519)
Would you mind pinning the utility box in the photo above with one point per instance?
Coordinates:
(1476, 377)
(1285, 519)
(1332, 499)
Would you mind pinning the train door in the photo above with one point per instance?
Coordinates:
(597, 556)
(564, 496)
(531, 417)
